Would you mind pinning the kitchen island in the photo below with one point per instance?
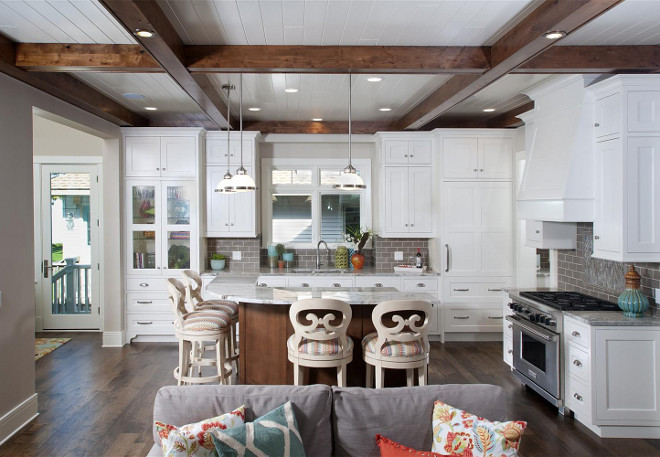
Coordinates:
(264, 327)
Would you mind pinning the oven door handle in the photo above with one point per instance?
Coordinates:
(540, 333)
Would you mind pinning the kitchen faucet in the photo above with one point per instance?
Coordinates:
(318, 254)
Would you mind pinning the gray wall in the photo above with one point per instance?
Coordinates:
(16, 230)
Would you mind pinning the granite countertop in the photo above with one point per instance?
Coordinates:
(265, 271)
(613, 318)
(287, 295)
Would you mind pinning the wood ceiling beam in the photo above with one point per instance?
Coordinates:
(167, 48)
(520, 44)
(504, 120)
(594, 59)
(357, 127)
(337, 59)
(69, 89)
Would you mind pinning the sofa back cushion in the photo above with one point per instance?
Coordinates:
(312, 406)
(403, 414)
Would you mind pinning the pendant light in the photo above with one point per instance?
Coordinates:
(241, 182)
(223, 186)
(349, 179)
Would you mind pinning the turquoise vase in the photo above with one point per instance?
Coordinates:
(632, 301)
(351, 251)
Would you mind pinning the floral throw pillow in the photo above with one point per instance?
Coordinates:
(389, 448)
(457, 432)
(194, 440)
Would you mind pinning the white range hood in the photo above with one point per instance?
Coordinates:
(557, 183)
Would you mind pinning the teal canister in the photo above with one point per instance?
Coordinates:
(632, 301)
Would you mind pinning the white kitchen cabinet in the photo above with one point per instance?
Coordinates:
(477, 228)
(230, 215)
(550, 235)
(477, 158)
(408, 204)
(472, 318)
(612, 378)
(478, 289)
(161, 156)
(643, 111)
(272, 281)
(408, 152)
(507, 331)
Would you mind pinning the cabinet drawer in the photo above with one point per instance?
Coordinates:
(420, 284)
(146, 284)
(578, 363)
(326, 281)
(577, 333)
(578, 398)
(469, 290)
(378, 281)
(150, 323)
(507, 349)
(507, 327)
(148, 303)
(271, 281)
(473, 319)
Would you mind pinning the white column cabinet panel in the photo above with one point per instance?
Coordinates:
(495, 158)
(460, 157)
(419, 152)
(396, 199)
(643, 195)
(396, 152)
(178, 157)
(477, 158)
(420, 200)
(142, 155)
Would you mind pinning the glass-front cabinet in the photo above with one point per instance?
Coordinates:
(162, 232)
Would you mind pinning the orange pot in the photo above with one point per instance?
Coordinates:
(357, 260)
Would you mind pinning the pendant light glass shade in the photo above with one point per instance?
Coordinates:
(349, 179)
(224, 185)
(241, 182)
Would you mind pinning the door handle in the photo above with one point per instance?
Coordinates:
(45, 268)
(447, 262)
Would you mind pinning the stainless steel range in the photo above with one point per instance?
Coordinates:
(537, 331)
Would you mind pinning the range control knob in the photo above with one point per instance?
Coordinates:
(526, 311)
(550, 322)
(512, 305)
(540, 318)
(532, 318)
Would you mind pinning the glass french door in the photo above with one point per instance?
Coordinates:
(70, 261)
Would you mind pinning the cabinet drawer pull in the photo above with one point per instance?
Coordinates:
(510, 351)
(420, 284)
(262, 284)
(596, 124)
(304, 284)
(461, 317)
(336, 284)
(144, 323)
(537, 231)
(144, 284)
(144, 302)
(509, 326)
(494, 290)
(476, 169)
(575, 334)
(577, 363)
(378, 285)
(461, 290)
(447, 260)
(577, 396)
(596, 237)
(495, 317)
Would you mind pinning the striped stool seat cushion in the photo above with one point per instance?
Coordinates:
(315, 347)
(205, 322)
(227, 306)
(392, 349)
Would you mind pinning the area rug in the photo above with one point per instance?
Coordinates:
(43, 346)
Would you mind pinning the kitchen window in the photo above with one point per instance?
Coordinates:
(301, 207)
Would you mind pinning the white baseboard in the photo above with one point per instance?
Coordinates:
(113, 339)
(473, 336)
(12, 422)
(39, 324)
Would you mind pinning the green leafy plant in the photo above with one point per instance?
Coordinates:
(218, 256)
(280, 249)
(357, 236)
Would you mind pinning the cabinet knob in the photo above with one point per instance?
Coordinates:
(261, 284)
(378, 285)
(158, 268)
(411, 155)
(157, 169)
(596, 237)
(406, 225)
(577, 396)
(575, 334)
(412, 225)
(144, 284)
(163, 168)
(304, 284)
(232, 224)
(577, 363)
(596, 124)
(509, 326)
(475, 170)
(405, 155)
(481, 170)
(537, 231)
(510, 351)
(336, 284)
(226, 224)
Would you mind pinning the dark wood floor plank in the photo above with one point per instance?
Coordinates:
(97, 401)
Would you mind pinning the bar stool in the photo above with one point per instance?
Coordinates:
(317, 342)
(403, 345)
(193, 284)
(193, 330)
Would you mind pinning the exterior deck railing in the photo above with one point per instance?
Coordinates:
(71, 288)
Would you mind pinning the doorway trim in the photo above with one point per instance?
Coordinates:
(38, 163)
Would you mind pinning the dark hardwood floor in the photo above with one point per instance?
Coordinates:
(99, 402)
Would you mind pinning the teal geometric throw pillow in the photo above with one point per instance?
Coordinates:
(274, 434)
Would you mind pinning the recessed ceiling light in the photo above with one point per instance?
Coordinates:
(317, 119)
(374, 79)
(132, 96)
(144, 33)
(150, 108)
(291, 90)
(555, 35)
(384, 109)
(254, 108)
(489, 110)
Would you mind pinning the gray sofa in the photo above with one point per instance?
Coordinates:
(332, 420)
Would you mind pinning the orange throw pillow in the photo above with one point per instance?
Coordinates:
(389, 448)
